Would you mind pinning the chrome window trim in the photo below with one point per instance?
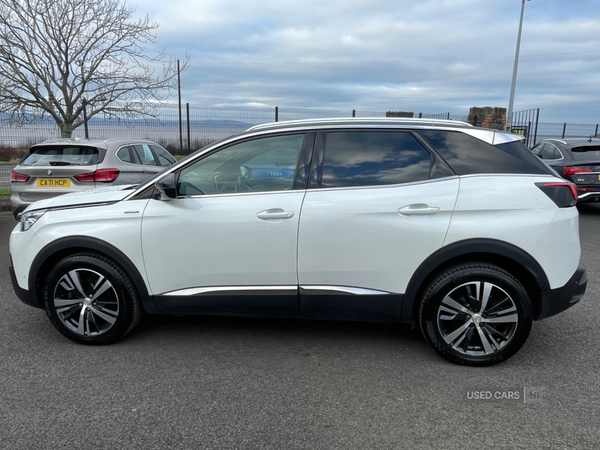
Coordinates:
(384, 186)
(237, 194)
(522, 175)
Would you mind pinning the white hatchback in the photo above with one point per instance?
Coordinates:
(459, 230)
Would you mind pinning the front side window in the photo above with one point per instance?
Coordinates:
(260, 165)
(369, 158)
(163, 157)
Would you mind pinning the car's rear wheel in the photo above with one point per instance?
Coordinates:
(476, 314)
(91, 300)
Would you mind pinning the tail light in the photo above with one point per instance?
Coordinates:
(571, 170)
(99, 176)
(563, 194)
(18, 177)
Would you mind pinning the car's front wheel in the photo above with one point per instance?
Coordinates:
(91, 300)
(476, 314)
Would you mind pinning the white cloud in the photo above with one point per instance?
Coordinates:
(427, 56)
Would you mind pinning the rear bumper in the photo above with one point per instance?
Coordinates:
(564, 297)
(584, 195)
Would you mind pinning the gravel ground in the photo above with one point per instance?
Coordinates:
(207, 383)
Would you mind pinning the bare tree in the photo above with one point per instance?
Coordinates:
(56, 55)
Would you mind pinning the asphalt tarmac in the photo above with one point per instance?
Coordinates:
(217, 383)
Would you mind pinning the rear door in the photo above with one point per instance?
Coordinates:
(131, 169)
(378, 204)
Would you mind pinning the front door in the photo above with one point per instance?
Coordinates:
(228, 243)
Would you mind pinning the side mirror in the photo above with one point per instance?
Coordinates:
(166, 187)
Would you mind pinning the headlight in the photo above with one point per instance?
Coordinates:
(30, 218)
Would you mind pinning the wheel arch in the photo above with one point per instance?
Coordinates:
(512, 259)
(61, 248)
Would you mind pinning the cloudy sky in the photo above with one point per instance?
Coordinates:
(429, 56)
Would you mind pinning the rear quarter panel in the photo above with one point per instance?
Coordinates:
(511, 208)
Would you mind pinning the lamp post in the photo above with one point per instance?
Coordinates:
(514, 77)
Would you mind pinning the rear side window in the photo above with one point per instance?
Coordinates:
(144, 154)
(126, 154)
(370, 158)
(549, 152)
(516, 148)
(468, 155)
(61, 155)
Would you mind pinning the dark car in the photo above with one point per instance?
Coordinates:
(577, 160)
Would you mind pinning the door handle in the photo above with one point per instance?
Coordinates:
(418, 209)
(275, 214)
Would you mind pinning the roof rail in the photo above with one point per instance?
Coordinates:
(360, 121)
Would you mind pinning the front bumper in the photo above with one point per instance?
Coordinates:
(22, 294)
(564, 297)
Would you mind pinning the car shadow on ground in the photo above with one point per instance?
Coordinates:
(184, 327)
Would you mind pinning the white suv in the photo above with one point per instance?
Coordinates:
(459, 230)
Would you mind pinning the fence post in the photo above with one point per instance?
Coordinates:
(187, 112)
(564, 130)
(596, 133)
(354, 115)
(179, 95)
(448, 116)
(537, 120)
(420, 115)
(277, 114)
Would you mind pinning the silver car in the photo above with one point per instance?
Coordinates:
(60, 166)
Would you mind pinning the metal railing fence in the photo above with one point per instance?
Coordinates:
(201, 124)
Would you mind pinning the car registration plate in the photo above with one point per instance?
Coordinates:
(53, 182)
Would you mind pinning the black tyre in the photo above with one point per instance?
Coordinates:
(476, 314)
(91, 300)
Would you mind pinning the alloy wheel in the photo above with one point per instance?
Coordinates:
(477, 318)
(86, 302)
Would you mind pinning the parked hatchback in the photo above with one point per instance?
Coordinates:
(457, 230)
(577, 160)
(59, 166)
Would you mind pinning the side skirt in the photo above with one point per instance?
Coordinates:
(349, 303)
(240, 301)
(290, 302)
